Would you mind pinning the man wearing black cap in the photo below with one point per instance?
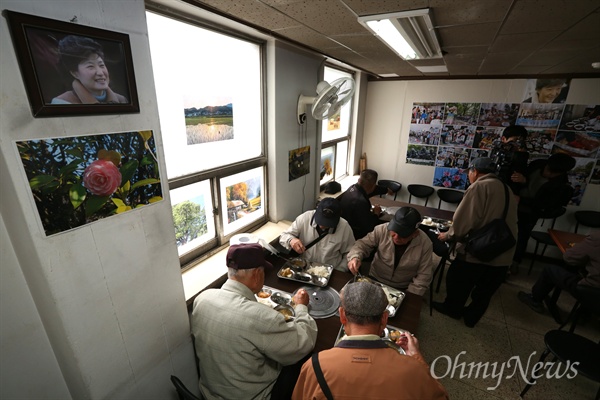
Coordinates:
(510, 154)
(403, 257)
(329, 236)
(243, 345)
(483, 202)
(362, 365)
(543, 189)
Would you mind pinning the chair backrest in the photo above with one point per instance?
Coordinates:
(392, 185)
(587, 218)
(182, 391)
(421, 191)
(553, 214)
(449, 196)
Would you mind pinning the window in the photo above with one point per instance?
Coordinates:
(335, 135)
(211, 117)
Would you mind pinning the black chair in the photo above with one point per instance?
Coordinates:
(391, 185)
(567, 347)
(587, 218)
(442, 250)
(421, 191)
(544, 237)
(587, 300)
(450, 196)
(182, 391)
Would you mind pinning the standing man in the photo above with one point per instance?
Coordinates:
(333, 234)
(356, 207)
(243, 345)
(403, 257)
(510, 155)
(362, 365)
(483, 202)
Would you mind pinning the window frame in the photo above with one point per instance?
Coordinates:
(214, 175)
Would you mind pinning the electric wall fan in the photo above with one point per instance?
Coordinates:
(330, 98)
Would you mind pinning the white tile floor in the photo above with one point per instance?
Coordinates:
(509, 328)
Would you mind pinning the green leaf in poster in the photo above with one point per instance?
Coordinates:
(147, 160)
(127, 170)
(70, 167)
(146, 135)
(40, 180)
(110, 155)
(94, 203)
(144, 182)
(77, 195)
(74, 152)
(118, 202)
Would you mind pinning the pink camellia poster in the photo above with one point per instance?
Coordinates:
(78, 180)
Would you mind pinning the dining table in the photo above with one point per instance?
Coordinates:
(389, 207)
(406, 316)
(565, 240)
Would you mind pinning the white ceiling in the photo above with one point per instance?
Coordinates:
(480, 38)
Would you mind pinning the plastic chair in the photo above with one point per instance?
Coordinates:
(587, 218)
(572, 348)
(449, 196)
(421, 191)
(544, 237)
(392, 185)
(442, 250)
(588, 300)
(182, 391)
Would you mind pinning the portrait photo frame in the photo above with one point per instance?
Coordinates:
(49, 52)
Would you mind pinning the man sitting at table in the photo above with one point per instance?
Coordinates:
(243, 345)
(584, 255)
(403, 257)
(356, 206)
(335, 235)
(362, 365)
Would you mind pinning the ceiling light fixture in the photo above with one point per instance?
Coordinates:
(409, 33)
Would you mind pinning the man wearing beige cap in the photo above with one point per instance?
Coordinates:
(243, 345)
(403, 253)
(362, 365)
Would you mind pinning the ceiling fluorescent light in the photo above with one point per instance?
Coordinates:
(410, 33)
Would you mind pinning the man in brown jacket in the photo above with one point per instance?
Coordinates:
(483, 202)
(362, 365)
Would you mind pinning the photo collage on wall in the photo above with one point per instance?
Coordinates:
(447, 136)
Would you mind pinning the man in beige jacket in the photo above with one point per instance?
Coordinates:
(483, 202)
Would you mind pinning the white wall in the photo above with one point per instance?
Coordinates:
(99, 311)
(387, 123)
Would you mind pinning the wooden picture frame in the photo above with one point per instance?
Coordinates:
(53, 57)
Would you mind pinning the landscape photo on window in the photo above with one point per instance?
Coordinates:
(78, 180)
(208, 118)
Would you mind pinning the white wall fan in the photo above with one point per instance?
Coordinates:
(330, 98)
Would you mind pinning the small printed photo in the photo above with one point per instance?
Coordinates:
(421, 155)
(540, 115)
(485, 137)
(212, 122)
(578, 178)
(457, 135)
(540, 141)
(299, 163)
(427, 113)
(577, 144)
(454, 178)
(546, 90)
(477, 153)
(462, 113)
(424, 134)
(453, 157)
(581, 118)
(498, 114)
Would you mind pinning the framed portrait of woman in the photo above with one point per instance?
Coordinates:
(71, 69)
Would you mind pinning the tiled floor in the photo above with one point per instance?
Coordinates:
(508, 329)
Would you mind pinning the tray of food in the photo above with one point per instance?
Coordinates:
(441, 225)
(277, 299)
(394, 296)
(308, 272)
(390, 334)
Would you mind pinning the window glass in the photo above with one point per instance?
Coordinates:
(243, 195)
(338, 125)
(192, 215)
(209, 107)
(342, 159)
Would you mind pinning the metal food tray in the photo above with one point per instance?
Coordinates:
(391, 293)
(300, 274)
(384, 335)
(269, 301)
(436, 221)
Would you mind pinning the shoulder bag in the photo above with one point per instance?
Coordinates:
(492, 239)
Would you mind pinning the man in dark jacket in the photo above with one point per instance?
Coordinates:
(356, 207)
(510, 155)
(543, 189)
